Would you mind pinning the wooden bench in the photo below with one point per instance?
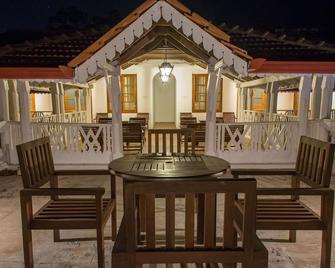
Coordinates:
(60, 213)
(131, 250)
(184, 121)
(146, 116)
(199, 130)
(229, 117)
(185, 115)
(133, 137)
(171, 141)
(313, 168)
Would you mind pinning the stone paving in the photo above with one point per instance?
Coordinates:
(305, 253)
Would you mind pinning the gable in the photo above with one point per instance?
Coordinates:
(191, 25)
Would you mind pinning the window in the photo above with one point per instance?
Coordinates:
(258, 100)
(128, 94)
(199, 98)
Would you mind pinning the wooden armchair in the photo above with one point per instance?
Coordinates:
(313, 168)
(229, 117)
(60, 213)
(131, 250)
(133, 136)
(164, 141)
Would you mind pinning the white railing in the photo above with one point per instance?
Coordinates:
(252, 116)
(77, 143)
(261, 143)
(73, 117)
(277, 117)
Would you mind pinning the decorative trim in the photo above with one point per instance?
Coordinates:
(160, 10)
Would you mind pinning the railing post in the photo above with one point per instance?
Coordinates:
(327, 87)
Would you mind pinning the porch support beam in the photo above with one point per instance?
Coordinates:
(24, 90)
(61, 98)
(4, 100)
(327, 87)
(55, 99)
(78, 102)
(273, 97)
(214, 82)
(304, 96)
(316, 97)
(114, 92)
(266, 80)
(14, 101)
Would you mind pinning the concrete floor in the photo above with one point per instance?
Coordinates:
(305, 253)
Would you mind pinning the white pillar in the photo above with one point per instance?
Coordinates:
(55, 99)
(214, 83)
(316, 97)
(250, 93)
(78, 102)
(239, 102)
(4, 100)
(23, 90)
(274, 97)
(304, 96)
(88, 101)
(114, 92)
(327, 86)
(14, 109)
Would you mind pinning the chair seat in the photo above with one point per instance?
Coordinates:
(70, 214)
(285, 214)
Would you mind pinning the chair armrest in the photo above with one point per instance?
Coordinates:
(295, 191)
(63, 191)
(81, 172)
(262, 172)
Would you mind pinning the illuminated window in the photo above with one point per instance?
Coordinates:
(199, 95)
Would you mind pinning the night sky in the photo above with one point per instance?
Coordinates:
(267, 14)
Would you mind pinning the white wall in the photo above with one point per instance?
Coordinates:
(43, 102)
(285, 101)
(145, 74)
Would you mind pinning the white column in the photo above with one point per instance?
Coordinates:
(55, 99)
(78, 98)
(61, 101)
(214, 82)
(250, 93)
(88, 101)
(4, 100)
(316, 97)
(14, 109)
(114, 92)
(274, 97)
(304, 96)
(239, 102)
(23, 90)
(327, 86)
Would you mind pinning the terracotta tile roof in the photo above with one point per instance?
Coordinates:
(275, 47)
(196, 18)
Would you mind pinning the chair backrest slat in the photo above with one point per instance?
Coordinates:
(182, 139)
(315, 161)
(174, 190)
(36, 162)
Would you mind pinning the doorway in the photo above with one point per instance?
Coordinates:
(164, 101)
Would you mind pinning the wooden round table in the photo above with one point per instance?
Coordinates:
(147, 167)
(177, 166)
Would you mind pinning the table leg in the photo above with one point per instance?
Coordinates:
(200, 218)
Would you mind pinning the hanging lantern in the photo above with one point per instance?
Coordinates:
(165, 70)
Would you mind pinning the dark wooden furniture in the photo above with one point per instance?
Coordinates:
(186, 115)
(170, 141)
(60, 213)
(184, 121)
(313, 168)
(199, 130)
(100, 116)
(146, 116)
(131, 250)
(229, 117)
(133, 137)
(139, 120)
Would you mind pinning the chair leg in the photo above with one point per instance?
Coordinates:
(293, 236)
(114, 224)
(101, 247)
(28, 248)
(326, 248)
(56, 235)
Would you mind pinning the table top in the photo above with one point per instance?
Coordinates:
(176, 166)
